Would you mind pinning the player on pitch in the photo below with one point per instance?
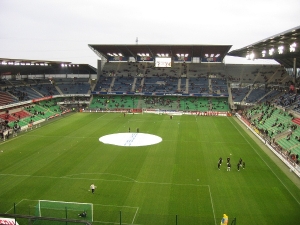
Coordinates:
(93, 187)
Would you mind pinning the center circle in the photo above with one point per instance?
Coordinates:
(130, 139)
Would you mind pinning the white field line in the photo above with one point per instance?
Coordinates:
(124, 206)
(212, 205)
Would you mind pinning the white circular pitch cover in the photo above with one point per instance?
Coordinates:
(130, 139)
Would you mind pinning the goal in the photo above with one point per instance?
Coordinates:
(59, 209)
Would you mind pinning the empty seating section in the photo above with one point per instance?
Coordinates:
(249, 74)
(194, 104)
(98, 102)
(21, 114)
(5, 98)
(255, 95)
(270, 120)
(123, 84)
(296, 104)
(17, 82)
(292, 143)
(51, 105)
(114, 102)
(217, 70)
(73, 85)
(220, 104)
(46, 89)
(42, 110)
(219, 86)
(30, 81)
(4, 83)
(234, 73)
(194, 70)
(198, 85)
(238, 94)
(245, 74)
(270, 95)
(153, 84)
(103, 84)
(279, 77)
(162, 103)
(7, 117)
(286, 100)
(263, 74)
(126, 69)
(18, 117)
(24, 93)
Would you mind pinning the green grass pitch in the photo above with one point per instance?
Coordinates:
(149, 184)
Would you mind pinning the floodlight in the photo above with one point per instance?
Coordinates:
(178, 55)
(271, 51)
(280, 49)
(263, 53)
(206, 55)
(293, 47)
(212, 55)
(217, 55)
(186, 55)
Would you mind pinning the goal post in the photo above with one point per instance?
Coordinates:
(60, 209)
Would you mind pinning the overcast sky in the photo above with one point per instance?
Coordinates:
(61, 30)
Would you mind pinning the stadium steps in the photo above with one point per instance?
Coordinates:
(246, 96)
(210, 90)
(134, 83)
(112, 83)
(264, 96)
(179, 84)
(58, 89)
(187, 85)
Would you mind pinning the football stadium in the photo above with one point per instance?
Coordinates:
(156, 134)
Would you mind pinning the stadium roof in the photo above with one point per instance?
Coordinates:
(154, 49)
(287, 41)
(28, 66)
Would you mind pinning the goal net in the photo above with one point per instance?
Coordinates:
(69, 210)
